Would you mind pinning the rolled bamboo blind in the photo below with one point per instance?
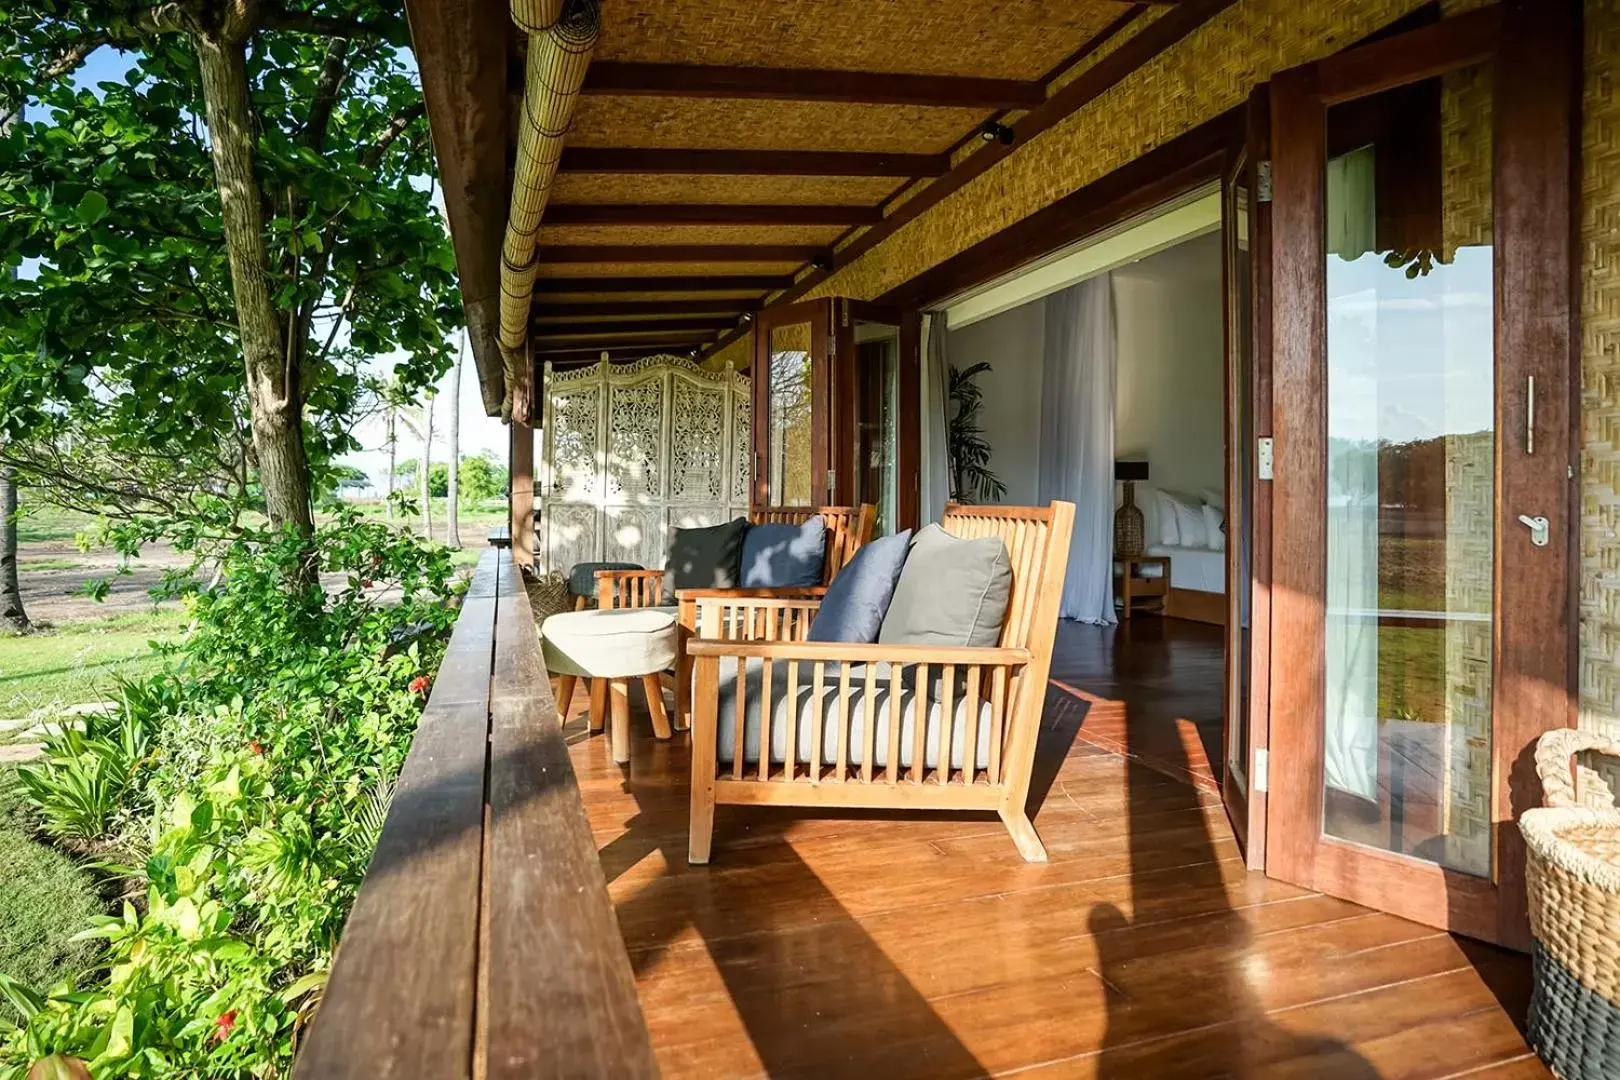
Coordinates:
(561, 37)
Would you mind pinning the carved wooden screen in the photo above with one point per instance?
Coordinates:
(629, 451)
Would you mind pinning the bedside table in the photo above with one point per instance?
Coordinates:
(1134, 591)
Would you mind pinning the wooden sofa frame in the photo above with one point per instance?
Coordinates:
(1012, 677)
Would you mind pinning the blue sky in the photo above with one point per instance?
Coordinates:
(478, 432)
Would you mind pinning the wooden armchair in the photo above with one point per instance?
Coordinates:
(974, 746)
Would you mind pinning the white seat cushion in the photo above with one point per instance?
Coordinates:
(805, 712)
(610, 644)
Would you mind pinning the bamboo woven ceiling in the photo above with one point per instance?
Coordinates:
(724, 152)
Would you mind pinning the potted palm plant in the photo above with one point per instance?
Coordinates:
(971, 477)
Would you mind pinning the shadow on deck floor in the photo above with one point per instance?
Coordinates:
(898, 946)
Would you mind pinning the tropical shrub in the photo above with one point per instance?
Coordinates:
(243, 789)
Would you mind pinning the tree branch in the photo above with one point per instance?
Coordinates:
(333, 68)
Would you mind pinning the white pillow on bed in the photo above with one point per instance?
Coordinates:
(1214, 518)
(1165, 511)
(1188, 514)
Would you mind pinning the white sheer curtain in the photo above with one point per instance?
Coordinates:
(936, 466)
(1077, 438)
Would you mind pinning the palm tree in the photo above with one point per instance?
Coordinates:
(452, 532)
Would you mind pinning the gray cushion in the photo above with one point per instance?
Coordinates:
(804, 710)
(707, 558)
(784, 556)
(582, 578)
(859, 594)
(952, 592)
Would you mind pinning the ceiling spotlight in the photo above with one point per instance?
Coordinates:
(746, 318)
(995, 131)
(823, 263)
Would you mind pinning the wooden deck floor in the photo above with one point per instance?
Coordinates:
(843, 945)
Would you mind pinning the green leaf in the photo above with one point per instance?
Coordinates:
(93, 207)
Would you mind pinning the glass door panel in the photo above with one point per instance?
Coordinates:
(789, 428)
(792, 366)
(1240, 436)
(877, 421)
(1410, 501)
(877, 438)
(1422, 509)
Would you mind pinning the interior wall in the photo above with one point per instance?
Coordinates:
(1012, 343)
(1171, 383)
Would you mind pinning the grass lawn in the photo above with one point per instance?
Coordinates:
(37, 523)
(76, 662)
(46, 899)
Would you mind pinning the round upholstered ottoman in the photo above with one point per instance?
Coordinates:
(610, 648)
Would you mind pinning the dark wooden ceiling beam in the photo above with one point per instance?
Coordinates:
(574, 357)
(806, 84)
(761, 283)
(698, 253)
(541, 331)
(1182, 19)
(584, 309)
(685, 162)
(683, 214)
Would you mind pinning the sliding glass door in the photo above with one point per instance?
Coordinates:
(1422, 508)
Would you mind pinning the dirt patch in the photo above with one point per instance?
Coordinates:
(55, 596)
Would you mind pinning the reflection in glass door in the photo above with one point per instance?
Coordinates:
(1410, 501)
(877, 429)
(791, 401)
(789, 422)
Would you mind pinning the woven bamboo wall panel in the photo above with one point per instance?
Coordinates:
(727, 190)
(1016, 39)
(768, 125)
(1211, 70)
(1600, 370)
(689, 234)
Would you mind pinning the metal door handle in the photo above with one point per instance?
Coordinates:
(1538, 529)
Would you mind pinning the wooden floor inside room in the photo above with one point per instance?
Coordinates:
(830, 945)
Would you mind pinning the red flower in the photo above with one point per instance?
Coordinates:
(223, 1025)
(255, 746)
(366, 583)
(420, 684)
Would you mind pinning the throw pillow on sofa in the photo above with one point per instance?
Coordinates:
(708, 558)
(952, 592)
(859, 594)
(784, 556)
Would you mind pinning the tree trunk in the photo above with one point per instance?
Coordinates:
(388, 500)
(427, 463)
(452, 531)
(274, 396)
(12, 615)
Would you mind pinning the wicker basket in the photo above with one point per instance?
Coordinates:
(1574, 881)
(548, 594)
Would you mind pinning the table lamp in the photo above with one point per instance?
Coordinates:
(1129, 528)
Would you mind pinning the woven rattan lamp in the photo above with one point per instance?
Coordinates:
(1130, 531)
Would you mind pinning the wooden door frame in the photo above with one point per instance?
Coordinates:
(818, 314)
(1537, 48)
(1247, 808)
(908, 478)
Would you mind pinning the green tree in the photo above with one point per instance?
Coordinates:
(480, 479)
(222, 238)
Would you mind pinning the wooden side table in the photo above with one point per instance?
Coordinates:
(1136, 592)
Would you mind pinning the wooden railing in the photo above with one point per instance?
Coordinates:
(483, 942)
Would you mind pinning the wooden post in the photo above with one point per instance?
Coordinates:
(522, 498)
